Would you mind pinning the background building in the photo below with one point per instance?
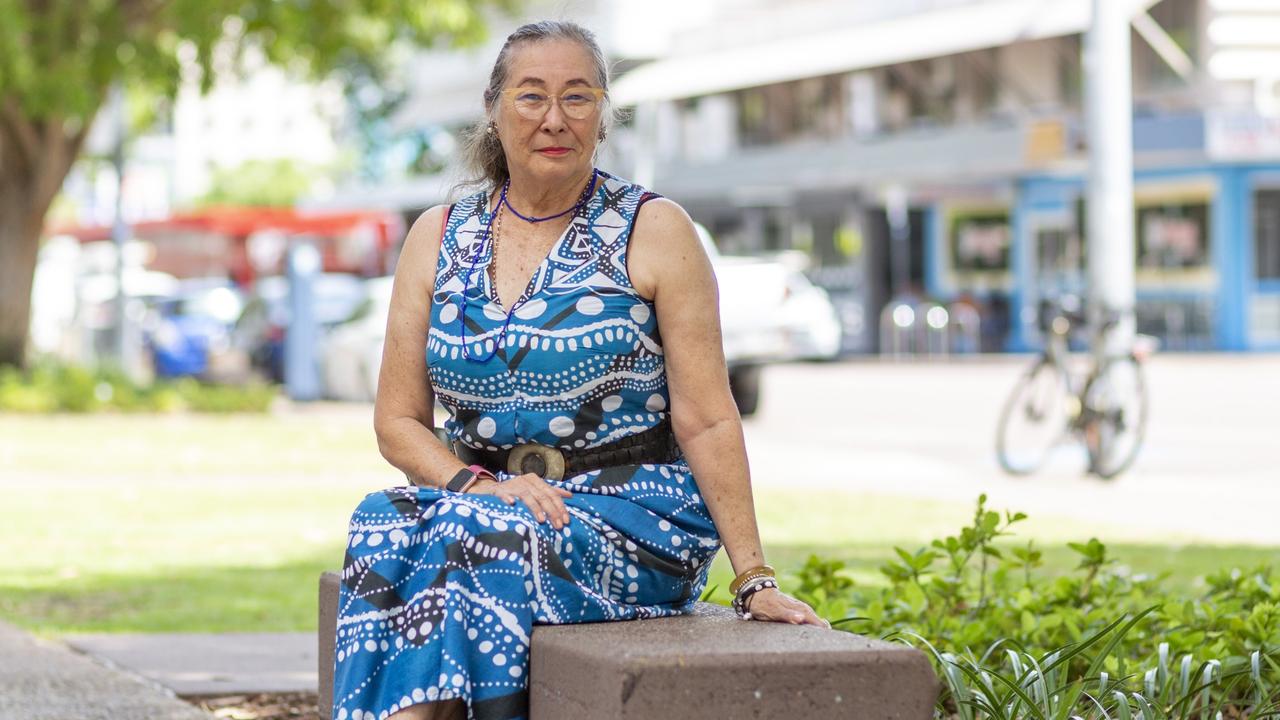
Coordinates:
(811, 125)
(935, 148)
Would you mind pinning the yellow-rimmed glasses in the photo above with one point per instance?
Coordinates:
(533, 103)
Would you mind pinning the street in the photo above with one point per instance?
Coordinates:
(1207, 471)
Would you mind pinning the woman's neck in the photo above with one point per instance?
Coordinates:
(537, 199)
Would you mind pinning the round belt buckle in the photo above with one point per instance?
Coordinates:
(541, 460)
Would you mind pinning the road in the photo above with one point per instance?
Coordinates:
(1210, 467)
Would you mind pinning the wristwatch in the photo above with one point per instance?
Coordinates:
(466, 477)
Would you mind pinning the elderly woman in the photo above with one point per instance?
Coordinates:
(567, 320)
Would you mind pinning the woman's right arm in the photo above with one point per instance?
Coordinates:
(403, 412)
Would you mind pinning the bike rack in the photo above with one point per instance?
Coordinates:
(929, 329)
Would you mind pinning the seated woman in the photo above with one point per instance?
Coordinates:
(568, 321)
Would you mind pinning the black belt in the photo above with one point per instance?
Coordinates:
(655, 445)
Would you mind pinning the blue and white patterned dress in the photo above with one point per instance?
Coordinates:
(440, 590)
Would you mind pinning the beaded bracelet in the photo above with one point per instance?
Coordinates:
(745, 593)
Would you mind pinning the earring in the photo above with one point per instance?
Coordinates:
(492, 129)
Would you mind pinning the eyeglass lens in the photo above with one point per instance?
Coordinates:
(533, 104)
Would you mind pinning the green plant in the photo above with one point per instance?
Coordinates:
(54, 387)
(974, 590)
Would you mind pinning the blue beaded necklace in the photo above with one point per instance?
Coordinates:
(586, 193)
(486, 239)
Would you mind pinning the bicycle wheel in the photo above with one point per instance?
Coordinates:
(1115, 422)
(1034, 419)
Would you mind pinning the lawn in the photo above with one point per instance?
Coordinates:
(188, 523)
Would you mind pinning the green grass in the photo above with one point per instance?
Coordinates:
(210, 524)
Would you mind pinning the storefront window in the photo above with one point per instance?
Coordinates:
(1173, 236)
(1061, 251)
(812, 108)
(1266, 205)
(980, 241)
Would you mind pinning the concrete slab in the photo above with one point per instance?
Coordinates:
(705, 666)
(46, 681)
(200, 664)
(710, 665)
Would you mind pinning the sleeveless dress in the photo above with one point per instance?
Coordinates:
(439, 589)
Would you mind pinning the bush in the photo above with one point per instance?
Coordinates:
(53, 387)
(1011, 641)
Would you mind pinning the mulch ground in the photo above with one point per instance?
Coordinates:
(261, 706)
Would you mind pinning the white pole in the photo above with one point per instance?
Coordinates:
(119, 228)
(1109, 125)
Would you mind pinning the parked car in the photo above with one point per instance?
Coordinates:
(261, 327)
(351, 354)
(192, 334)
(809, 320)
(752, 294)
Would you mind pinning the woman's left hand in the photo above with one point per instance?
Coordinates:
(773, 605)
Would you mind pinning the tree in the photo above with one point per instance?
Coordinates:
(260, 183)
(58, 58)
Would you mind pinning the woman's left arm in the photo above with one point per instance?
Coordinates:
(667, 263)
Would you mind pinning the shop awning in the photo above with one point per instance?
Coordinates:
(241, 222)
(934, 33)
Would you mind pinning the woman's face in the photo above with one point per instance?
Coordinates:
(554, 147)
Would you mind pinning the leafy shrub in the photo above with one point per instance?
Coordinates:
(1011, 641)
(53, 387)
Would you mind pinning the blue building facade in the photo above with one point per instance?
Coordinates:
(1207, 238)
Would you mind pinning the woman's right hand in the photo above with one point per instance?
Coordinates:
(544, 500)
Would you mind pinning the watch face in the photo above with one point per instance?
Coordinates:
(460, 480)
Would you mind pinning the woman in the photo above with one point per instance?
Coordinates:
(577, 430)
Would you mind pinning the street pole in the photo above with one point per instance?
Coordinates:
(1109, 126)
(897, 210)
(119, 230)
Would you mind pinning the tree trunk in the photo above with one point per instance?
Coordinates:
(19, 241)
(35, 157)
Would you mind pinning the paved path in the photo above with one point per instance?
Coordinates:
(1210, 469)
(207, 664)
(46, 681)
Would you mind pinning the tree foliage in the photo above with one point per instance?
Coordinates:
(59, 57)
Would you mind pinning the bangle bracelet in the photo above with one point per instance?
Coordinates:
(748, 575)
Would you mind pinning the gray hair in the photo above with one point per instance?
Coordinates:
(481, 161)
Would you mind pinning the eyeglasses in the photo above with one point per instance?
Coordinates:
(577, 103)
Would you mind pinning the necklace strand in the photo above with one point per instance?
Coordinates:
(586, 193)
(494, 239)
(488, 236)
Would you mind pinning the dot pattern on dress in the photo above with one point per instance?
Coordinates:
(440, 590)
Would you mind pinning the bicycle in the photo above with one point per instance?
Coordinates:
(1105, 407)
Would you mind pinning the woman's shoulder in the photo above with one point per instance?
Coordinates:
(663, 242)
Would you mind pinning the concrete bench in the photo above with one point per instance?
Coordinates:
(704, 666)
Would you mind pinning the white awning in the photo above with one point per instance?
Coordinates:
(923, 35)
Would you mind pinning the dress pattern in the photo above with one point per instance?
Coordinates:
(440, 590)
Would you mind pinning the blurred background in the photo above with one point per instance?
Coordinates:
(201, 205)
(925, 151)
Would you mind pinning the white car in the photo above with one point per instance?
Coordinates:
(351, 354)
(809, 320)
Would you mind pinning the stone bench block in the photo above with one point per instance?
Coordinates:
(704, 666)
